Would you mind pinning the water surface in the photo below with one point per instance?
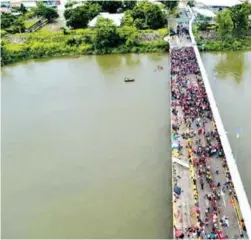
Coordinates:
(85, 155)
(230, 77)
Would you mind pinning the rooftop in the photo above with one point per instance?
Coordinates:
(204, 12)
(220, 3)
(115, 17)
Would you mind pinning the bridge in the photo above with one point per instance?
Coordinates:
(209, 200)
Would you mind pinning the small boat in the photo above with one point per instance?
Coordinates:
(129, 80)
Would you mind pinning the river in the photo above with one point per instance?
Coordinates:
(85, 155)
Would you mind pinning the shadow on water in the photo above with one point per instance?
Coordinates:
(109, 63)
(157, 57)
(231, 64)
(132, 60)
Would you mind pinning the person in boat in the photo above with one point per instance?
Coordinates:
(129, 79)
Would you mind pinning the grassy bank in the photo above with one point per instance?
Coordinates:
(230, 45)
(209, 41)
(39, 45)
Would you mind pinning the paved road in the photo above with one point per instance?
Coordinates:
(186, 202)
(185, 182)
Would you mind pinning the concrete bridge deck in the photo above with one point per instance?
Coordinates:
(185, 215)
(191, 205)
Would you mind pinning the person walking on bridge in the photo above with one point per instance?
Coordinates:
(201, 184)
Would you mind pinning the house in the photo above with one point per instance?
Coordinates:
(204, 12)
(217, 5)
(9, 4)
(5, 6)
(115, 17)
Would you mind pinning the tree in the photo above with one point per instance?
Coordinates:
(128, 35)
(106, 34)
(127, 20)
(109, 6)
(225, 24)
(18, 26)
(240, 17)
(22, 9)
(140, 23)
(12, 23)
(190, 3)
(129, 5)
(170, 4)
(70, 4)
(45, 12)
(30, 14)
(146, 14)
(7, 20)
(203, 24)
(4, 54)
(80, 16)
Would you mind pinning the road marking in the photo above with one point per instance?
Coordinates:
(223, 199)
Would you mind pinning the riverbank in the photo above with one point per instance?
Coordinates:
(19, 47)
(41, 45)
(231, 45)
(209, 41)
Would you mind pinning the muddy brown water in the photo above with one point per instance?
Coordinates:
(86, 155)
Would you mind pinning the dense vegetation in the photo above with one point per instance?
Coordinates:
(231, 31)
(78, 17)
(17, 23)
(141, 31)
(115, 6)
(231, 45)
(143, 15)
(105, 38)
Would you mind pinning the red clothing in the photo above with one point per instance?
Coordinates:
(220, 235)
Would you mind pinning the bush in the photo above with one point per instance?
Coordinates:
(231, 44)
(80, 16)
(36, 45)
(70, 4)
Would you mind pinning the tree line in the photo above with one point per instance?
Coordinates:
(234, 21)
(142, 15)
(16, 23)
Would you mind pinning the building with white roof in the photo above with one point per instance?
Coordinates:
(5, 6)
(220, 3)
(204, 12)
(28, 3)
(115, 17)
(216, 5)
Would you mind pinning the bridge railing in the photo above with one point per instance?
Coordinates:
(239, 188)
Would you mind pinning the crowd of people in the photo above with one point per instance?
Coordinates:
(191, 111)
(182, 30)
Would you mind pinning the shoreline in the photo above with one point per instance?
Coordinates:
(233, 45)
(76, 55)
(60, 57)
(39, 45)
(111, 52)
